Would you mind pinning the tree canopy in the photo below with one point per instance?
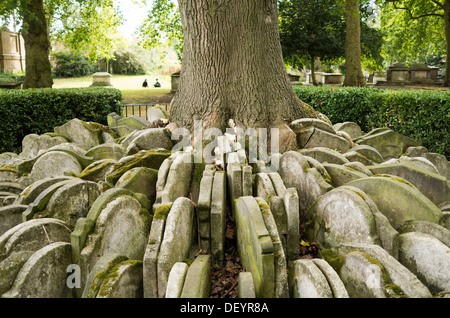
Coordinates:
(318, 28)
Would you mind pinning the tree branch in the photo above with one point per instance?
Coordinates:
(412, 17)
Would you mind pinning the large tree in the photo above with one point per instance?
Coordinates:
(79, 20)
(425, 9)
(233, 67)
(353, 69)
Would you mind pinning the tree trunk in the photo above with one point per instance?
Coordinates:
(37, 46)
(313, 70)
(353, 70)
(233, 67)
(447, 39)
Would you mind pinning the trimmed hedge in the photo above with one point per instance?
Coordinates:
(423, 115)
(39, 111)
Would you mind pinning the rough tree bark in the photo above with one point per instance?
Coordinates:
(233, 67)
(353, 70)
(37, 46)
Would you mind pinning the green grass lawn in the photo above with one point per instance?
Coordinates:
(130, 85)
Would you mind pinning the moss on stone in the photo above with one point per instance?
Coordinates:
(162, 211)
(388, 284)
(264, 207)
(8, 168)
(333, 259)
(401, 180)
(93, 168)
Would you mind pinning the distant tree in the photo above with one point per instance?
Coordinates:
(418, 29)
(310, 29)
(81, 23)
(353, 68)
(163, 26)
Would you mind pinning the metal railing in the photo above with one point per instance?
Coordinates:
(139, 109)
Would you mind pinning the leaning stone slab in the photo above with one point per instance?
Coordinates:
(296, 173)
(439, 161)
(336, 285)
(176, 280)
(123, 281)
(247, 180)
(389, 143)
(277, 183)
(426, 257)
(433, 229)
(198, 278)
(342, 216)
(263, 186)
(86, 135)
(398, 274)
(10, 216)
(246, 287)
(32, 144)
(10, 267)
(292, 208)
(32, 236)
(12, 187)
(107, 151)
(358, 166)
(350, 128)
(177, 240)
(387, 234)
(204, 211)
(433, 186)
(323, 154)
(314, 137)
(149, 159)
(234, 182)
(134, 121)
(178, 179)
(369, 153)
(54, 164)
(255, 246)
(418, 162)
(148, 139)
(280, 263)
(398, 200)
(97, 170)
(40, 203)
(44, 274)
(121, 228)
(72, 201)
(303, 123)
(306, 280)
(363, 276)
(99, 272)
(341, 175)
(218, 218)
(140, 180)
(278, 208)
(152, 251)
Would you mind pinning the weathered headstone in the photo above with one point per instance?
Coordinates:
(177, 240)
(255, 246)
(198, 278)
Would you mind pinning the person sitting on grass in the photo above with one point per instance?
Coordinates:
(157, 84)
(145, 84)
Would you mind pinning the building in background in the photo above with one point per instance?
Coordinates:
(12, 52)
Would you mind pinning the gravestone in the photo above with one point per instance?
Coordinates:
(101, 79)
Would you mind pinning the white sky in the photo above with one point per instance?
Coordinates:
(134, 14)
